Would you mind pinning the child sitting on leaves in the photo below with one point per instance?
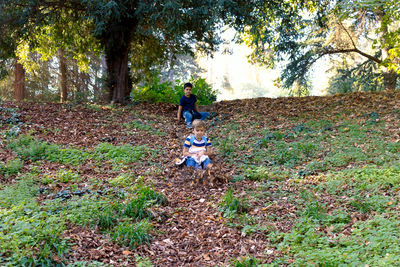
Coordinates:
(188, 107)
(197, 147)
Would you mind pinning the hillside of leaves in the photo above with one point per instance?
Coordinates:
(297, 181)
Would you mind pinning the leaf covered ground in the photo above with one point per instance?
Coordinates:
(297, 181)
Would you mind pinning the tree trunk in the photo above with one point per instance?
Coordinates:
(84, 77)
(389, 80)
(117, 39)
(119, 82)
(96, 87)
(19, 82)
(63, 76)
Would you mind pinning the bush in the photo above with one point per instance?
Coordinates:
(156, 91)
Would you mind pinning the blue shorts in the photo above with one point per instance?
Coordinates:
(190, 162)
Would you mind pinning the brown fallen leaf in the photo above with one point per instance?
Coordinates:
(126, 252)
(206, 257)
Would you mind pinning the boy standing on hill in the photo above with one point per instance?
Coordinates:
(188, 107)
(197, 147)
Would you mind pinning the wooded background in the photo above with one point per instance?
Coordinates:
(87, 50)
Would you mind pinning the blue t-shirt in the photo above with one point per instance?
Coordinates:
(187, 103)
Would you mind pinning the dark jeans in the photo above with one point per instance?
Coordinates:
(189, 117)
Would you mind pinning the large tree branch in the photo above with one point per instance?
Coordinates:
(348, 34)
(351, 50)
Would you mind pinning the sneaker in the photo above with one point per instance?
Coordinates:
(180, 161)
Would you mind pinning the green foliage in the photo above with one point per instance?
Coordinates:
(256, 173)
(368, 178)
(120, 154)
(65, 176)
(157, 32)
(88, 264)
(147, 126)
(249, 229)
(244, 262)
(106, 214)
(145, 198)
(132, 234)
(70, 156)
(377, 203)
(123, 180)
(149, 194)
(156, 91)
(142, 261)
(315, 211)
(364, 77)
(23, 191)
(137, 209)
(227, 146)
(29, 148)
(269, 136)
(324, 32)
(374, 242)
(28, 231)
(12, 167)
(80, 211)
(108, 218)
(205, 94)
(231, 205)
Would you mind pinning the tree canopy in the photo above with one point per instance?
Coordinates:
(302, 33)
(119, 28)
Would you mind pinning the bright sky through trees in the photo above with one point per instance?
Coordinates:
(235, 77)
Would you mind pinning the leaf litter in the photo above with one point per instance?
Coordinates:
(193, 231)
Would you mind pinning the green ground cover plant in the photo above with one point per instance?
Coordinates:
(12, 167)
(374, 242)
(147, 126)
(28, 148)
(29, 236)
(232, 205)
